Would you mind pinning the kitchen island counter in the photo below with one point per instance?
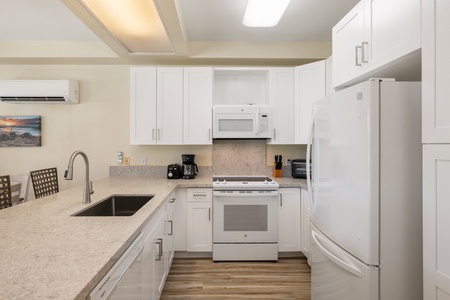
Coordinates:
(46, 253)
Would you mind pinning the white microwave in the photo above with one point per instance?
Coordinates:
(241, 121)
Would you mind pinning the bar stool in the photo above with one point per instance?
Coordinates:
(45, 182)
(5, 192)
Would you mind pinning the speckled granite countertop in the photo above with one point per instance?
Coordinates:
(47, 254)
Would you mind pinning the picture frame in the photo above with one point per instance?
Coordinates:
(20, 131)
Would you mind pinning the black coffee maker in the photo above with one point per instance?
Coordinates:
(189, 169)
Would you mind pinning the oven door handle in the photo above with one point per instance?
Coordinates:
(244, 194)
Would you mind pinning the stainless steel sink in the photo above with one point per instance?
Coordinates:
(115, 206)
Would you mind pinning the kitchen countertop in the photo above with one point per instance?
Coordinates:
(47, 254)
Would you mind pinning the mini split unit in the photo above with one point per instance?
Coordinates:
(39, 91)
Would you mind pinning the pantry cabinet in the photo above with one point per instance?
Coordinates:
(199, 219)
(281, 98)
(289, 220)
(436, 148)
(310, 86)
(306, 225)
(197, 105)
(373, 35)
(156, 106)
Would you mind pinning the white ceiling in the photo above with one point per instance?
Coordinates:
(201, 31)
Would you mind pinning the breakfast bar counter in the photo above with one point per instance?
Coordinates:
(46, 253)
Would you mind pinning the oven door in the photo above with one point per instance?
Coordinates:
(245, 217)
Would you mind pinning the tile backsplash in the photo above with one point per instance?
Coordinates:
(240, 157)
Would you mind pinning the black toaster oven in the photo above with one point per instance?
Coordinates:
(298, 168)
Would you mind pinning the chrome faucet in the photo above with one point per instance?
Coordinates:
(68, 175)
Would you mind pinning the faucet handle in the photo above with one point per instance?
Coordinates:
(91, 190)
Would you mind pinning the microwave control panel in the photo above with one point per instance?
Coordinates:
(264, 123)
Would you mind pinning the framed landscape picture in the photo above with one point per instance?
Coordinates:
(20, 131)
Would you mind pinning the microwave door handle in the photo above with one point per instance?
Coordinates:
(308, 158)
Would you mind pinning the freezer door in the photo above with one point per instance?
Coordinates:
(346, 168)
(335, 274)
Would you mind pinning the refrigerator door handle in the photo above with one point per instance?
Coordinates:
(308, 158)
(346, 266)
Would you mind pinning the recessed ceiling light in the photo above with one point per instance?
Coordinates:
(135, 24)
(264, 13)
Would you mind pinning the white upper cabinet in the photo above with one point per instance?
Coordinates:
(310, 86)
(281, 99)
(169, 106)
(143, 106)
(198, 98)
(374, 39)
(348, 36)
(156, 106)
(435, 66)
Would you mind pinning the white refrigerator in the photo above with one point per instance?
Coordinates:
(366, 193)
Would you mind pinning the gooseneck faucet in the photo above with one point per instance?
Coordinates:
(68, 175)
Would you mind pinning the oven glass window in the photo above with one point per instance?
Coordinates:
(245, 218)
(233, 125)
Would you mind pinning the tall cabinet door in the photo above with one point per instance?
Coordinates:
(170, 106)
(142, 106)
(310, 86)
(436, 222)
(435, 66)
(436, 149)
(198, 100)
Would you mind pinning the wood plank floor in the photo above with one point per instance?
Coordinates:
(194, 278)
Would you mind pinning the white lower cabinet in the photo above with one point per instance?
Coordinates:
(289, 220)
(156, 255)
(199, 219)
(306, 225)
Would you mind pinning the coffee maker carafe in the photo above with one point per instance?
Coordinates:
(189, 169)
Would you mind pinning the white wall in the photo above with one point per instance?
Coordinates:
(99, 126)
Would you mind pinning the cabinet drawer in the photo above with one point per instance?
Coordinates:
(199, 194)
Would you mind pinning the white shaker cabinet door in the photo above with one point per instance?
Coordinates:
(436, 222)
(198, 98)
(310, 86)
(169, 106)
(348, 35)
(435, 66)
(392, 30)
(281, 98)
(289, 220)
(143, 106)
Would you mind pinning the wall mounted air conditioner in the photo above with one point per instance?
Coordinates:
(39, 91)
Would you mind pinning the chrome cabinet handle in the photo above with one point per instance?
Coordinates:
(159, 242)
(199, 195)
(363, 49)
(209, 213)
(274, 134)
(281, 199)
(171, 227)
(357, 63)
(172, 200)
(159, 134)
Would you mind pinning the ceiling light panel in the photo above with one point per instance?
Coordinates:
(264, 13)
(134, 24)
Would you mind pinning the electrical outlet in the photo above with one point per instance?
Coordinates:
(143, 161)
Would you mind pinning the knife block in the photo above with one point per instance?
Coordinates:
(277, 170)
